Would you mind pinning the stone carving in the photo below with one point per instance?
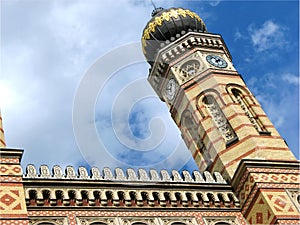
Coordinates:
(221, 220)
(165, 175)
(57, 172)
(95, 173)
(219, 178)
(120, 174)
(176, 176)
(249, 113)
(187, 176)
(83, 174)
(77, 194)
(198, 177)
(219, 118)
(143, 175)
(31, 171)
(92, 220)
(70, 172)
(44, 171)
(154, 175)
(294, 194)
(107, 174)
(208, 177)
(50, 220)
(131, 174)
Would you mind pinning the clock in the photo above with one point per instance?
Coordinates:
(171, 89)
(216, 61)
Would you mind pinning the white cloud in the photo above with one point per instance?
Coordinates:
(267, 36)
(291, 79)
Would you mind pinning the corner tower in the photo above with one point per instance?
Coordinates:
(191, 70)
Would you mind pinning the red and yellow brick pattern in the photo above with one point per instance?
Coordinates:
(12, 199)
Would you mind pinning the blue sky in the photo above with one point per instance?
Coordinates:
(50, 50)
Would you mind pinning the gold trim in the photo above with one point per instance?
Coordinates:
(166, 16)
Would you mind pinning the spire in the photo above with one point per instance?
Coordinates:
(2, 139)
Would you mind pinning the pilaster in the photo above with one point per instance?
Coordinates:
(12, 198)
(268, 191)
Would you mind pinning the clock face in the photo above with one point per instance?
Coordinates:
(216, 61)
(171, 89)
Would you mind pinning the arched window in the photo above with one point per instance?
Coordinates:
(32, 197)
(193, 135)
(156, 198)
(132, 195)
(168, 199)
(109, 197)
(59, 198)
(145, 198)
(244, 104)
(46, 197)
(219, 119)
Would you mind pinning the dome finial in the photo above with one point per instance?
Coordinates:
(155, 10)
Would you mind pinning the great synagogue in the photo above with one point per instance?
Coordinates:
(247, 174)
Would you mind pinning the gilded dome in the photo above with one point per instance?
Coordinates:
(166, 26)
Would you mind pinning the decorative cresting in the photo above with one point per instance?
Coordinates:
(167, 26)
(119, 175)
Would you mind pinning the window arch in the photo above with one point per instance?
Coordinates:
(246, 107)
(139, 223)
(219, 119)
(222, 223)
(32, 197)
(98, 223)
(46, 223)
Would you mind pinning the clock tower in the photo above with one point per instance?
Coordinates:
(221, 122)
(192, 71)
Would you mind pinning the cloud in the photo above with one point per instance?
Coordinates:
(291, 79)
(267, 36)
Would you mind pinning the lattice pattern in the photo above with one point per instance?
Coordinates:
(10, 169)
(12, 202)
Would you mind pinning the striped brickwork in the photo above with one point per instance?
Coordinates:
(246, 132)
(2, 138)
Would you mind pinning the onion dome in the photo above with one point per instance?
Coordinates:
(166, 26)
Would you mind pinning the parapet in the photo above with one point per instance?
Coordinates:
(131, 176)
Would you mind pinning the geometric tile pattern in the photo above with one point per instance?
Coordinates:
(270, 205)
(269, 178)
(276, 178)
(12, 201)
(280, 203)
(14, 222)
(260, 213)
(189, 217)
(10, 169)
